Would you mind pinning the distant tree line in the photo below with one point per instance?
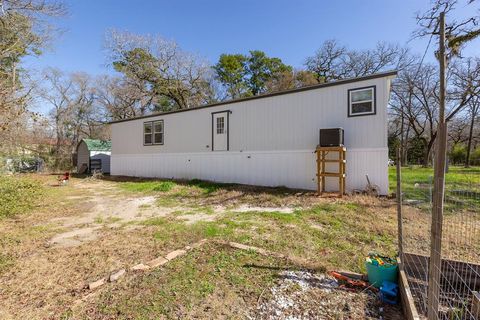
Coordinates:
(153, 74)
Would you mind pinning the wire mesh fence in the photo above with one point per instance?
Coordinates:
(460, 265)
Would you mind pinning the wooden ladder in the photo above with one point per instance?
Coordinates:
(322, 174)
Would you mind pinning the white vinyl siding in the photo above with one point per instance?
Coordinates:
(283, 126)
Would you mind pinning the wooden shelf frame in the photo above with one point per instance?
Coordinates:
(322, 174)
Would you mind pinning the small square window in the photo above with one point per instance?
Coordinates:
(220, 125)
(361, 101)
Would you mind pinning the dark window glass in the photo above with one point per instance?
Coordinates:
(158, 132)
(148, 139)
(147, 133)
(220, 125)
(158, 138)
(361, 107)
(147, 127)
(158, 126)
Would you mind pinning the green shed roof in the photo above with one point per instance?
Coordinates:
(98, 145)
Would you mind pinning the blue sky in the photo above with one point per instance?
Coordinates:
(290, 30)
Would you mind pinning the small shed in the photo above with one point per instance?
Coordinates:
(93, 154)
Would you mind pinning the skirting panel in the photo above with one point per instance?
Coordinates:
(293, 169)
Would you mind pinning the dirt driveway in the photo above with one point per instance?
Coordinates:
(90, 229)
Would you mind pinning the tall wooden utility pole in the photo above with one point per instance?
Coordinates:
(438, 189)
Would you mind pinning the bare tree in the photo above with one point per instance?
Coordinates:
(327, 61)
(458, 32)
(415, 99)
(120, 98)
(473, 114)
(175, 79)
(24, 30)
(333, 61)
(74, 113)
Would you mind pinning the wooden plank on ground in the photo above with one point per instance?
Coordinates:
(476, 305)
(408, 304)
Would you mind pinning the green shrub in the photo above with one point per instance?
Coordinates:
(17, 195)
(458, 154)
(475, 157)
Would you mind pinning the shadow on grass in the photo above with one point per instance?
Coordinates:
(210, 187)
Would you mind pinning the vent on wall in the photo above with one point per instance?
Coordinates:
(331, 137)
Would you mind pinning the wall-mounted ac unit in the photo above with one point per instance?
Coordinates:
(331, 137)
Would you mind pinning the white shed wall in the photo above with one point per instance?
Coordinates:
(279, 133)
(83, 155)
(105, 157)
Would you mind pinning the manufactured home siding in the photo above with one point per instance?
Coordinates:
(271, 140)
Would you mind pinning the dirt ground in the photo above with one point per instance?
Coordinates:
(89, 229)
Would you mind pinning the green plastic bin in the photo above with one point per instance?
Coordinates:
(379, 273)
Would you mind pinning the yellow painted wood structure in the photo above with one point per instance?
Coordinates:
(322, 174)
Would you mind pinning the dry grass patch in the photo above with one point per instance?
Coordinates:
(40, 280)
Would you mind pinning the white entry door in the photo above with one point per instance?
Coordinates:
(220, 131)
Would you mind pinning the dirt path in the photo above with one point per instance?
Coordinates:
(103, 205)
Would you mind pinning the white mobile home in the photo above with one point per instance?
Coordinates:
(266, 140)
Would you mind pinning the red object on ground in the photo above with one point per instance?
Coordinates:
(352, 283)
(65, 177)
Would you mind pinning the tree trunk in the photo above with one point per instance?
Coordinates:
(405, 146)
(469, 145)
(426, 156)
(401, 152)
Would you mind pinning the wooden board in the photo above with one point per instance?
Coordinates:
(406, 298)
(322, 174)
(476, 305)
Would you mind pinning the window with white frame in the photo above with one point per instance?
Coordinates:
(153, 132)
(361, 101)
(220, 125)
(158, 132)
(147, 133)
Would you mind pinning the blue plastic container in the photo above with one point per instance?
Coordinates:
(379, 273)
(389, 292)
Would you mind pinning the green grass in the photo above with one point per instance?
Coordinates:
(417, 184)
(18, 195)
(204, 187)
(344, 230)
(207, 187)
(148, 186)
